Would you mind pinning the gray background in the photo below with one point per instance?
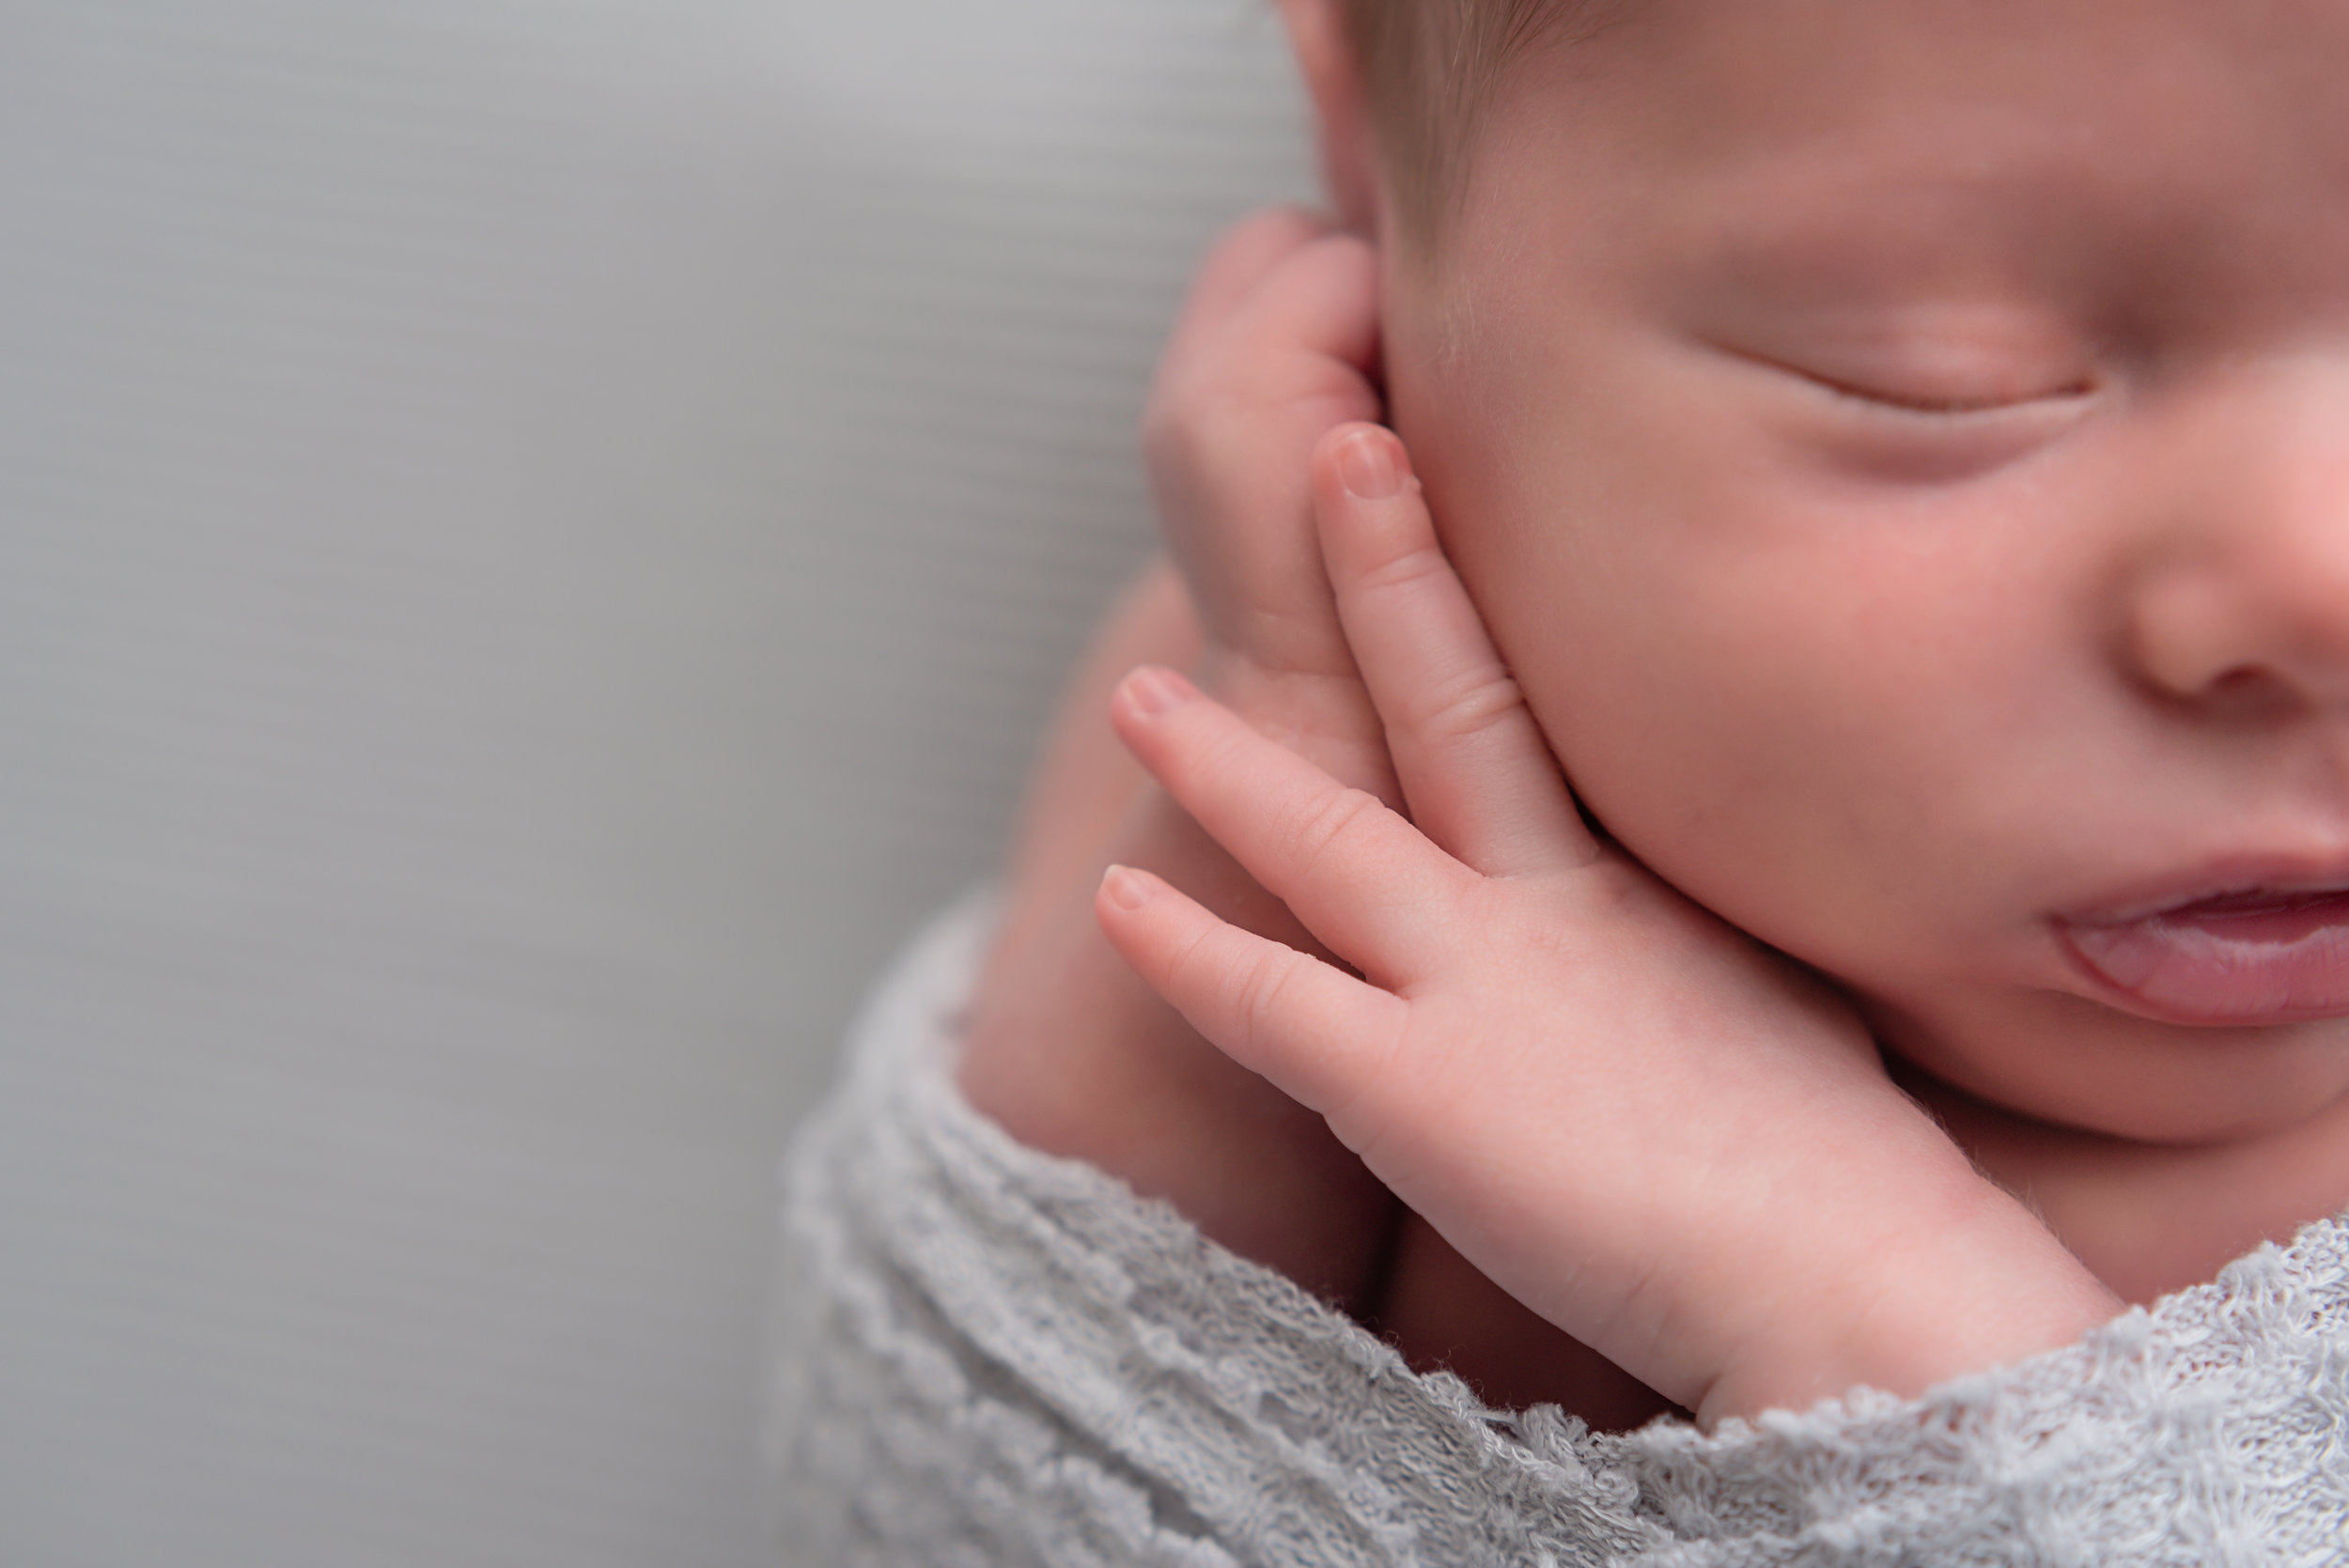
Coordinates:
(534, 539)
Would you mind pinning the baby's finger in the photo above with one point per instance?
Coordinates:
(1228, 431)
(1474, 765)
(1366, 884)
(1239, 262)
(1322, 298)
(1303, 1025)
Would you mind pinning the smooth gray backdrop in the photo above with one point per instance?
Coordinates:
(534, 539)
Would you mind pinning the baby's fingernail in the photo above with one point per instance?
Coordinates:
(1371, 464)
(1156, 690)
(1127, 890)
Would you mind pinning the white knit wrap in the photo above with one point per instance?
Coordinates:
(988, 1356)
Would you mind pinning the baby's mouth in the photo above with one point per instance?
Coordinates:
(2256, 955)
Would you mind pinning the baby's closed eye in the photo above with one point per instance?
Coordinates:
(1923, 395)
(1938, 392)
(1930, 356)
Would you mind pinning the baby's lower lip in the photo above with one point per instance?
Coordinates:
(2248, 958)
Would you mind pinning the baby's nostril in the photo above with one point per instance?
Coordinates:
(2253, 691)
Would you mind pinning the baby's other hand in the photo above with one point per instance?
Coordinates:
(1066, 1047)
(1669, 1141)
(1277, 345)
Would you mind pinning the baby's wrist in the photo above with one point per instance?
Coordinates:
(1956, 1277)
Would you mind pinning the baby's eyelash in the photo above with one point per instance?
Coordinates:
(1941, 407)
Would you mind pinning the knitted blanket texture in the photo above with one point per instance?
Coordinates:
(988, 1356)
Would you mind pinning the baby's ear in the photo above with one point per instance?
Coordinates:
(1326, 58)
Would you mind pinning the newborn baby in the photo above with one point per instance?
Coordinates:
(1902, 454)
(1862, 891)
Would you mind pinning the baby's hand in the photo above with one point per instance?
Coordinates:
(1276, 347)
(1066, 1047)
(1669, 1141)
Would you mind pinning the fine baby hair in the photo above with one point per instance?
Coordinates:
(1425, 72)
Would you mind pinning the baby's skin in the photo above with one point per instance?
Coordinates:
(1899, 451)
(1066, 1047)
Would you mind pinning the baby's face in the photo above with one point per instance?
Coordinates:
(1903, 448)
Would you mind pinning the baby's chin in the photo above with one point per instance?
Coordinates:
(2083, 1065)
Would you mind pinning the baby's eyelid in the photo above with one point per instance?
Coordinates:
(1938, 405)
(1949, 405)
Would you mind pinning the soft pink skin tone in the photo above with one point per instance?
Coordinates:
(1678, 1149)
(1066, 1047)
(1902, 449)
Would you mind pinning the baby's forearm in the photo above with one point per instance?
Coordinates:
(1086, 782)
(1922, 1272)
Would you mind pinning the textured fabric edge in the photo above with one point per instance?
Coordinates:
(1134, 1392)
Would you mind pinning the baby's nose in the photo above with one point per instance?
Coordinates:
(2241, 599)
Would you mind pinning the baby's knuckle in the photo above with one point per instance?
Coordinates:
(1202, 968)
(1466, 705)
(1257, 986)
(1180, 963)
(1406, 571)
(1323, 827)
(1198, 433)
(1185, 390)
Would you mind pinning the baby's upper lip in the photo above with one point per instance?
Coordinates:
(2233, 883)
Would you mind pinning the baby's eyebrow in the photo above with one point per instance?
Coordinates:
(1841, 233)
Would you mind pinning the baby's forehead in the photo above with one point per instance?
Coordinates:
(1814, 135)
(1715, 80)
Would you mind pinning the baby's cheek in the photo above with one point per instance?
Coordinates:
(1720, 726)
(1716, 683)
